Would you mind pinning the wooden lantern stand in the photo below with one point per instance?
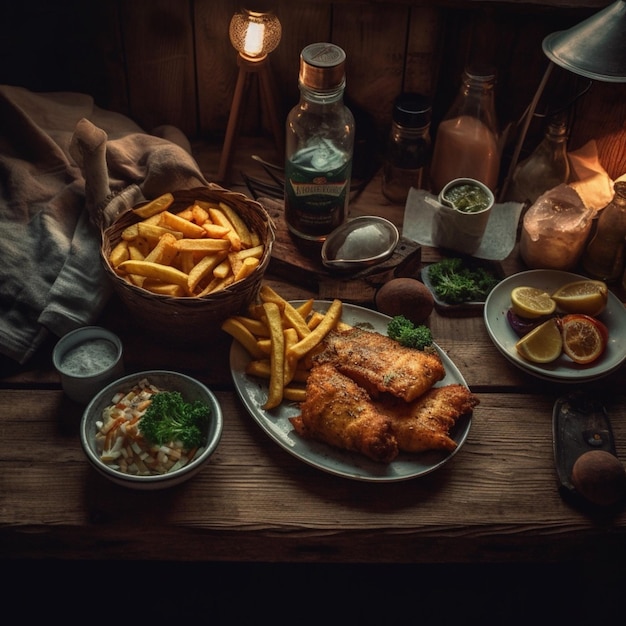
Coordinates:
(248, 67)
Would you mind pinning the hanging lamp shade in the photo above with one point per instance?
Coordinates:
(595, 48)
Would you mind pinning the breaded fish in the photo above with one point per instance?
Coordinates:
(339, 412)
(425, 423)
(380, 364)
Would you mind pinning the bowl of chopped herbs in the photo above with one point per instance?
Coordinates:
(460, 283)
(151, 430)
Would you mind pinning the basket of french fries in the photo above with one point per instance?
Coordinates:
(184, 262)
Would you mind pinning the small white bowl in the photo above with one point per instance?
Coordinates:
(191, 390)
(87, 359)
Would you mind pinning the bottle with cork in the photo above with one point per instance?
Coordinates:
(319, 148)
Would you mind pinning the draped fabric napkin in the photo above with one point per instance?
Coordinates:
(66, 168)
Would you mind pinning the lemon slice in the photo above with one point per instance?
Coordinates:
(543, 344)
(582, 340)
(582, 296)
(531, 302)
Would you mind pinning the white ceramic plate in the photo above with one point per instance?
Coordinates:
(563, 369)
(276, 424)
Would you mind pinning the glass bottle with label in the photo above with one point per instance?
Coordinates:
(604, 257)
(319, 147)
(546, 168)
(466, 142)
(408, 147)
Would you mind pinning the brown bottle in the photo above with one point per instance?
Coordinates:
(604, 256)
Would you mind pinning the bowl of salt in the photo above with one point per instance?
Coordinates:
(359, 243)
(87, 359)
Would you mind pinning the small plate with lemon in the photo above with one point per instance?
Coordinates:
(576, 326)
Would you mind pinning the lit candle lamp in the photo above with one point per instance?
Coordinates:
(253, 42)
(254, 35)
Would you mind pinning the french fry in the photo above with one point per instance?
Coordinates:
(136, 251)
(223, 269)
(306, 308)
(186, 214)
(267, 294)
(331, 317)
(186, 261)
(165, 289)
(255, 326)
(247, 267)
(239, 332)
(265, 345)
(216, 284)
(217, 231)
(290, 365)
(294, 394)
(199, 214)
(219, 217)
(203, 268)
(262, 369)
(203, 245)
(164, 251)
(255, 252)
(238, 223)
(277, 357)
(176, 222)
(149, 269)
(130, 232)
(153, 232)
(119, 254)
(157, 205)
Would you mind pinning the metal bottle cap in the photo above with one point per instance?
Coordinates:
(412, 110)
(322, 66)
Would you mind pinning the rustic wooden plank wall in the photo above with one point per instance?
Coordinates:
(170, 61)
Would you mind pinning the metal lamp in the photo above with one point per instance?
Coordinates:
(595, 49)
(254, 34)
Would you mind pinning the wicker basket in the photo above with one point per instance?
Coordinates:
(191, 319)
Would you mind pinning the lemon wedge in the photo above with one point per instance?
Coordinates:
(583, 296)
(543, 344)
(531, 302)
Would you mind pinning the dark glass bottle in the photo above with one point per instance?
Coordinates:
(319, 147)
(604, 257)
(408, 147)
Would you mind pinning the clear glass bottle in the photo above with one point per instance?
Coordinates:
(319, 147)
(604, 257)
(546, 168)
(466, 142)
(408, 147)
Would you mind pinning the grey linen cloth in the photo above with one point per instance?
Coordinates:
(67, 168)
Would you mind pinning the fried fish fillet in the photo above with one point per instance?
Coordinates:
(380, 364)
(339, 412)
(425, 423)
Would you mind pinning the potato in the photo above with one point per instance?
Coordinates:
(405, 296)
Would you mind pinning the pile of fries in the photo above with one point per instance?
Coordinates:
(195, 252)
(278, 337)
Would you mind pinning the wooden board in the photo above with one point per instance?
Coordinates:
(293, 264)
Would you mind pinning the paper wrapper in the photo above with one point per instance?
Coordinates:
(590, 179)
(423, 225)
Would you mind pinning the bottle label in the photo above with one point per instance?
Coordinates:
(316, 197)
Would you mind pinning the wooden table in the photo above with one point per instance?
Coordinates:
(495, 502)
